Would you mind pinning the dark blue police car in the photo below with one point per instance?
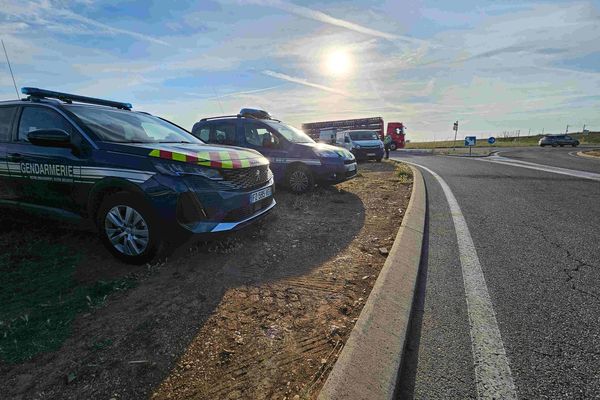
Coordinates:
(142, 180)
(296, 160)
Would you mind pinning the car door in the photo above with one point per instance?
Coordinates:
(263, 139)
(7, 189)
(49, 176)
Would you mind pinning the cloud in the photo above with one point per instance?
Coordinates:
(54, 17)
(319, 16)
(304, 82)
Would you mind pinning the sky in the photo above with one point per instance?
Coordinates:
(496, 67)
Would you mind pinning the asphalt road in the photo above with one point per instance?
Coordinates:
(537, 238)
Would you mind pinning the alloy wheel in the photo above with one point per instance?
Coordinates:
(126, 230)
(299, 181)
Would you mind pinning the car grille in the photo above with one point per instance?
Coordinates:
(245, 212)
(246, 178)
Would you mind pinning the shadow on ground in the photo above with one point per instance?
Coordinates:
(130, 344)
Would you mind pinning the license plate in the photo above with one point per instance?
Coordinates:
(260, 195)
(371, 154)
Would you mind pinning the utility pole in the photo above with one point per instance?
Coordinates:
(583, 130)
(567, 130)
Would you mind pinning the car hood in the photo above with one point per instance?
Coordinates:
(341, 152)
(369, 142)
(227, 157)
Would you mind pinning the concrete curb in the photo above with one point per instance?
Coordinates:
(369, 365)
(582, 154)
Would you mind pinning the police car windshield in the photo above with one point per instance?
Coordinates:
(363, 135)
(292, 134)
(129, 127)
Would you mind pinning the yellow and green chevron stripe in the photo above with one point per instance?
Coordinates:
(226, 159)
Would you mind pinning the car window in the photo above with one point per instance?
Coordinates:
(224, 133)
(363, 135)
(203, 134)
(34, 118)
(259, 136)
(6, 116)
(129, 127)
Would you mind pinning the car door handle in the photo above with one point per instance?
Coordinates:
(15, 157)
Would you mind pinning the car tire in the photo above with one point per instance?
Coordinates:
(574, 145)
(554, 145)
(378, 159)
(128, 228)
(393, 146)
(542, 145)
(299, 179)
(562, 145)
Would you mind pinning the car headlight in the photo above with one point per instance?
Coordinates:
(355, 146)
(381, 145)
(181, 169)
(326, 153)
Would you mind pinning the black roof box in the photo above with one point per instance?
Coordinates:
(254, 113)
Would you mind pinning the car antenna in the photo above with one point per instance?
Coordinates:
(218, 99)
(10, 69)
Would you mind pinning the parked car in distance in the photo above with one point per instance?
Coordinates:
(142, 180)
(558, 140)
(297, 161)
(364, 144)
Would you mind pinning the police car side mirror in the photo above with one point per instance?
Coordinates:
(346, 139)
(49, 138)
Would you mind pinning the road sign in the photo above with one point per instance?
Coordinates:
(492, 140)
(455, 127)
(470, 140)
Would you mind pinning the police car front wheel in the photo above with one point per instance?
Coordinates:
(127, 229)
(300, 179)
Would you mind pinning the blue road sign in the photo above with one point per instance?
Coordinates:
(470, 140)
(492, 140)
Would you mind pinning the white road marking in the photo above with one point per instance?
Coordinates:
(492, 371)
(540, 167)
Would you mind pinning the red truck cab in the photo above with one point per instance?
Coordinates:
(396, 131)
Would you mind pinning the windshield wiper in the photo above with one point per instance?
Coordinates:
(128, 141)
(181, 141)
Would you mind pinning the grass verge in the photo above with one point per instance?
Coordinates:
(40, 298)
(404, 173)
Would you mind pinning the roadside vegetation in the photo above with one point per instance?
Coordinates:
(40, 296)
(592, 138)
(404, 173)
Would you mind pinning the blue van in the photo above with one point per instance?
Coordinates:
(297, 161)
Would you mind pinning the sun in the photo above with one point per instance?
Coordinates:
(338, 63)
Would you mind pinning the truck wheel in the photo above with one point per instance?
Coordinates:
(393, 146)
(300, 179)
(128, 228)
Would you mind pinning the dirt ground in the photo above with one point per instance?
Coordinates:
(262, 314)
(595, 153)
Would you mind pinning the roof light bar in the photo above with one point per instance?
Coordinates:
(68, 98)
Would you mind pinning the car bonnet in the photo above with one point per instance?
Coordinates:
(209, 156)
